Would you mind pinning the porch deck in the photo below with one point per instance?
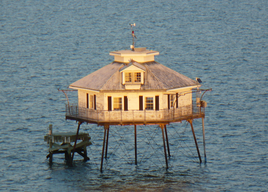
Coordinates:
(130, 117)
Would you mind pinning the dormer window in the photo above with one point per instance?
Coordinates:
(137, 77)
(132, 75)
(128, 78)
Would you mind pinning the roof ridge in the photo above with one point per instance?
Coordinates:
(137, 64)
(111, 75)
(133, 63)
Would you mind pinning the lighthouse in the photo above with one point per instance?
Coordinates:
(133, 90)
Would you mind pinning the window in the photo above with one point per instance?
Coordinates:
(117, 103)
(149, 103)
(90, 101)
(137, 77)
(128, 78)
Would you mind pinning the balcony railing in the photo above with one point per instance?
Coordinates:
(134, 116)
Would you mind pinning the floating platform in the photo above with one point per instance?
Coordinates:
(66, 142)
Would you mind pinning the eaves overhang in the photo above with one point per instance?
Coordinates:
(182, 88)
(82, 88)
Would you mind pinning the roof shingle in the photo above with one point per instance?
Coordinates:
(157, 77)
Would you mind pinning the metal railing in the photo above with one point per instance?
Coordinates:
(134, 116)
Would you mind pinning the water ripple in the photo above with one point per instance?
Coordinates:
(47, 45)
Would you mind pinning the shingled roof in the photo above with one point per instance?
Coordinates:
(157, 77)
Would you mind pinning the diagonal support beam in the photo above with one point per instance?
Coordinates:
(196, 145)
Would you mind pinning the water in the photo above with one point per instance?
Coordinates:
(46, 45)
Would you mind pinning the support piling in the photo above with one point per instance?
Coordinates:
(107, 139)
(50, 158)
(164, 144)
(204, 141)
(50, 143)
(135, 138)
(167, 140)
(78, 127)
(106, 127)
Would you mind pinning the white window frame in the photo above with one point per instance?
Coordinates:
(117, 105)
(151, 104)
(136, 77)
(128, 77)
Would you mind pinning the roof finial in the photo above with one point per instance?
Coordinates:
(133, 35)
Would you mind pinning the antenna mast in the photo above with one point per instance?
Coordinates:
(133, 35)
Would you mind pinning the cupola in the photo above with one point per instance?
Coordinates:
(140, 55)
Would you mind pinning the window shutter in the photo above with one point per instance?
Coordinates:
(87, 100)
(177, 100)
(141, 102)
(95, 106)
(157, 103)
(125, 103)
(168, 101)
(109, 103)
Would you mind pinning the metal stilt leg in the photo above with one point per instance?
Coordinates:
(164, 145)
(167, 140)
(107, 139)
(135, 138)
(204, 140)
(103, 146)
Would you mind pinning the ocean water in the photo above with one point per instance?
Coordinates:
(46, 45)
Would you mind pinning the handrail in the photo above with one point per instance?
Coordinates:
(173, 114)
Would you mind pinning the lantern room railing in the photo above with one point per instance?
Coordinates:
(134, 116)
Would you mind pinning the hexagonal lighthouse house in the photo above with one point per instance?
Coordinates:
(135, 89)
